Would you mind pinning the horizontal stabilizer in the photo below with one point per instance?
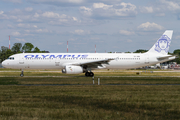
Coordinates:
(165, 57)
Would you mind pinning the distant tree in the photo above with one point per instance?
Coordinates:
(27, 47)
(45, 51)
(176, 52)
(36, 50)
(128, 52)
(140, 51)
(17, 47)
(0, 56)
(4, 49)
(5, 53)
(9, 53)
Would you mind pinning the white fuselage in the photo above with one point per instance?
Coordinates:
(75, 63)
(60, 60)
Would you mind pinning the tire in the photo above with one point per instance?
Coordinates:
(87, 74)
(21, 75)
(91, 74)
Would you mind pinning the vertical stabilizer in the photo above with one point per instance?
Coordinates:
(163, 43)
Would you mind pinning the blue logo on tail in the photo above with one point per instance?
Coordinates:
(163, 44)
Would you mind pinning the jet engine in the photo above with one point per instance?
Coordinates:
(72, 70)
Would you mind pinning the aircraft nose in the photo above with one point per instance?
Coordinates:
(4, 63)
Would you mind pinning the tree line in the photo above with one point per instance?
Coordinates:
(5, 52)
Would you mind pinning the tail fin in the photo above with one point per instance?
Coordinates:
(163, 43)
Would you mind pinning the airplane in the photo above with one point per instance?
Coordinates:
(76, 63)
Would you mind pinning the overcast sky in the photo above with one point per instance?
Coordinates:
(111, 25)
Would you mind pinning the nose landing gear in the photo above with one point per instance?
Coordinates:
(22, 73)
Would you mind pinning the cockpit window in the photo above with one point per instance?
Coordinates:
(11, 58)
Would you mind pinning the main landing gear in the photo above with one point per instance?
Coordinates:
(22, 73)
(89, 74)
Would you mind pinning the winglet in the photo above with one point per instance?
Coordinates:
(163, 43)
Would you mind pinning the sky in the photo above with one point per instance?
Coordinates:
(111, 25)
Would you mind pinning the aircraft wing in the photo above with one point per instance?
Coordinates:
(94, 63)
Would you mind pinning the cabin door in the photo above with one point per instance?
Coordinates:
(21, 61)
(146, 59)
(57, 62)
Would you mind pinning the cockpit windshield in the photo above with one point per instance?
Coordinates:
(11, 58)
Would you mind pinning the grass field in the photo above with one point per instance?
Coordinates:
(22, 98)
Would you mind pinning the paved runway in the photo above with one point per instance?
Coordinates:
(96, 84)
(98, 71)
(94, 76)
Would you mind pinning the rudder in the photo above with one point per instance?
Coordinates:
(163, 43)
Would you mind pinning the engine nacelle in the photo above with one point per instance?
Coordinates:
(72, 70)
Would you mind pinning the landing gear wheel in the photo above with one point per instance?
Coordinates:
(91, 74)
(87, 74)
(21, 75)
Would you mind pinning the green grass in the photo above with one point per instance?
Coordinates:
(88, 80)
(8, 81)
(93, 102)
(89, 102)
(7, 69)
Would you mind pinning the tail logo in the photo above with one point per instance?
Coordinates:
(163, 44)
